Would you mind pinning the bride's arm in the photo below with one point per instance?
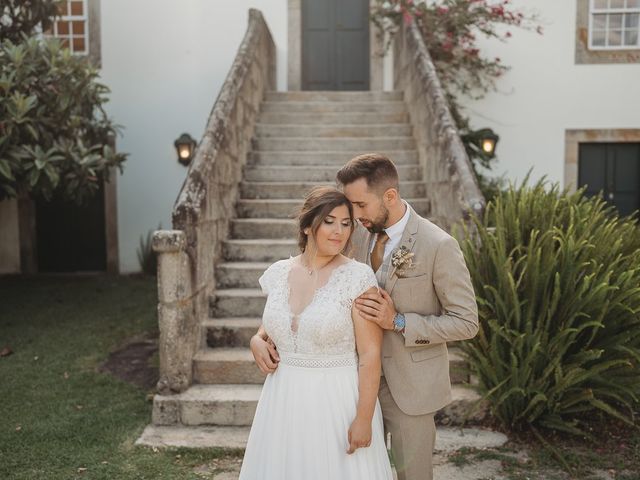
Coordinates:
(369, 344)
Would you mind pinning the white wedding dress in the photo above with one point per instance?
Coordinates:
(300, 429)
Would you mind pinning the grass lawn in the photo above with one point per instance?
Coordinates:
(59, 417)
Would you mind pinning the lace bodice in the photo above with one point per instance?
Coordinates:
(324, 326)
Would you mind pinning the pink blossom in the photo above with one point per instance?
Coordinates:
(442, 10)
(407, 17)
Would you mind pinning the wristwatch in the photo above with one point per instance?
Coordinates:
(399, 323)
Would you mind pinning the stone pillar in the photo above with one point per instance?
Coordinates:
(176, 312)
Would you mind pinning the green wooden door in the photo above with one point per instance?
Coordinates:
(613, 170)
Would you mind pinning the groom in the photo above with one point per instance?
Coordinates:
(426, 299)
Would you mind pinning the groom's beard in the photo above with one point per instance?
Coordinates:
(377, 224)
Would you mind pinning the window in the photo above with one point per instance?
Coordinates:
(72, 26)
(614, 24)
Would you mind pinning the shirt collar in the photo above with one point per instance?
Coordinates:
(395, 231)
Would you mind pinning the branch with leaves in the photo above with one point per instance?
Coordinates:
(55, 136)
(450, 29)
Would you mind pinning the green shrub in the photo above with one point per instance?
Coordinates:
(147, 258)
(23, 17)
(55, 136)
(557, 276)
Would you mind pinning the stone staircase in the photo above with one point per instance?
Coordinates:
(301, 139)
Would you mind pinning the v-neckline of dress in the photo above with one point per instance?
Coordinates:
(315, 293)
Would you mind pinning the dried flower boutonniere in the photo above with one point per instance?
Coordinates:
(402, 260)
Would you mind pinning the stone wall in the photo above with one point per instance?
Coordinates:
(206, 204)
(452, 187)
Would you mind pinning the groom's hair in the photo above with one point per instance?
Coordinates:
(379, 172)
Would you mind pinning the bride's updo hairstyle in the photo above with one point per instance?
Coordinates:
(318, 203)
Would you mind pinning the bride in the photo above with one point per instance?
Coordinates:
(318, 416)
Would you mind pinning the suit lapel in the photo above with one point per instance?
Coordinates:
(362, 246)
(408, 241)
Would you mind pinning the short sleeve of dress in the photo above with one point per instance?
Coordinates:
(363, 280)
(270, 277)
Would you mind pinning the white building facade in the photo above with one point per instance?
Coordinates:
(569, 108)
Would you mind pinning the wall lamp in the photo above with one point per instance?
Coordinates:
(482, 142)
(186, 147)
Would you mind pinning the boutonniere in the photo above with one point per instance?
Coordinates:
(402, 260)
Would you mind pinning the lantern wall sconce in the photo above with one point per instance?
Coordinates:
(186, 147)
(482, 142)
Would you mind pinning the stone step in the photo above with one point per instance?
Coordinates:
(285, 208)
(314, 173)
(344, 118)
(334, 107)
(307, 144)
(226, 366)
(289, 190)
(179, 436)
(240, 274)
(237, 302)
(328, 157)
(228, 405)
(333, 96)
(259, 250)
(448, 440)
(236, 365)
(333, 131)
(235, 405)
(263, 228)
(236, 332)
(230, 332)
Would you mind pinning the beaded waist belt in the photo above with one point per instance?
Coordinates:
(318, 361)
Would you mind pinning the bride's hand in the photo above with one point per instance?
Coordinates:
(359, 434)
(264, 353)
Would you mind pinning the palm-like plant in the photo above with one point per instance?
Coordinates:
(557, 276)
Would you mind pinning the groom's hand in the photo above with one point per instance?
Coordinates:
(377, 307)
(264, 353)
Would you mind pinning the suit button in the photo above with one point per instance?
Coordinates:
(417, 342)
(427, 342)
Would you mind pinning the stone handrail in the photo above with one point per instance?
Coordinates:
(205, 206)
(452, 187)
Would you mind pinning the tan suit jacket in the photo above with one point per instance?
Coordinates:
(437, 298)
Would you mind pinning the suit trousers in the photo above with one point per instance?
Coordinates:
(412, 438)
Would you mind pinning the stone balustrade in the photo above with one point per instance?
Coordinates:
(205, 206)
(451, 184)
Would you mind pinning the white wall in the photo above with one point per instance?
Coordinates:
(165, 62)
(545, 92)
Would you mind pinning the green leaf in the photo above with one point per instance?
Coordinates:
(34, 176)
(5, 170)
(52, 174)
